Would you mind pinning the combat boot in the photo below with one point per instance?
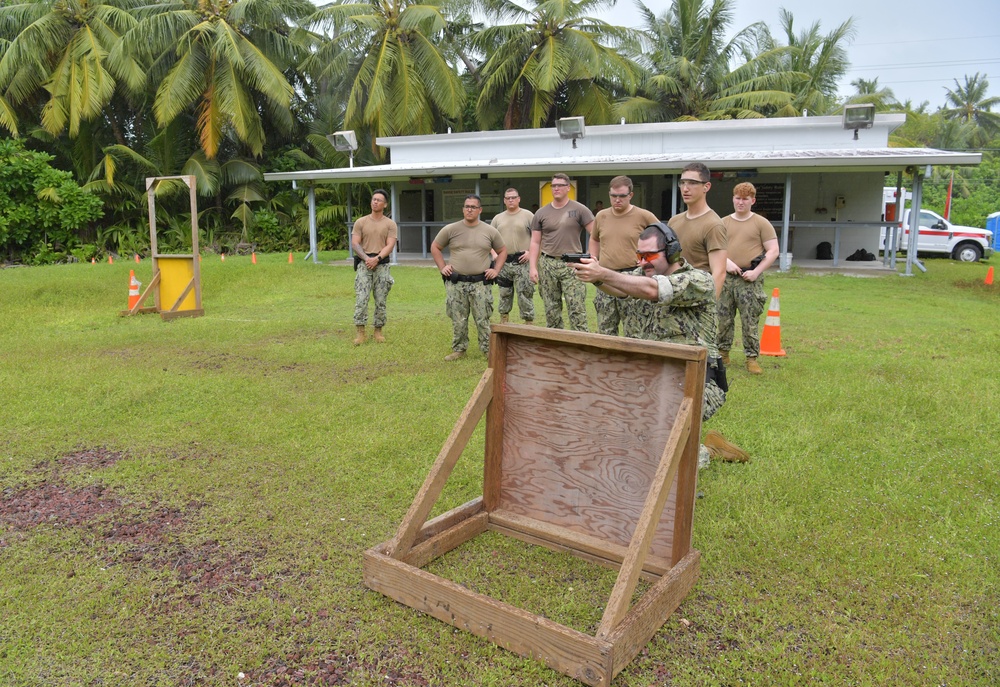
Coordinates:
(378, 335)
(360, 338)
(722, 449)
(753, 368)
(504, 319)
(725, 357)
(455, 355)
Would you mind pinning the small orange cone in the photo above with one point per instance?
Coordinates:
(989, 277)
(290, 259)
(111, 260)
(93, 261)
(770, 340)
(133, 289)
(222, 257)
(253, 258)
(136, 258)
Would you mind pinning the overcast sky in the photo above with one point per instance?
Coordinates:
(917, 48)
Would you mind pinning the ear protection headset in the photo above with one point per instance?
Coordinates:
(672, 244)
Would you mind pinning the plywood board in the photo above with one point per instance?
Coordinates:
(583, 436)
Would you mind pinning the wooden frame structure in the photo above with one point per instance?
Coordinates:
(182, 262)
(592, 449)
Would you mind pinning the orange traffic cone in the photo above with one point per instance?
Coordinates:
(93, 261)
(222, 257)
(253, 258)
(136, 258)
(290, 259)
(133, 289)
(989, 277)
(111, 260)
(770, 340)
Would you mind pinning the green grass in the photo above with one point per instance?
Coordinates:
(262, 453)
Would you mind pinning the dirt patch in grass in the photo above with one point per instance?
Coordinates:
(227, 360)
(84, 459)
(91, 458)
(300, 669)
(145, 535)
(979, 287)
(366, 373)
(55, 504)
(148, 536)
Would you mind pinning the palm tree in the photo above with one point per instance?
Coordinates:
(402, 81)
(866, 91)
(65, 48)
(969, 104)
(222, 62)
(697, 74)
(822, 58)
(554, 60)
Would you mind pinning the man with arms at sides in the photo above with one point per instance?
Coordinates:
(555, 230)
(372, 240)
(753, 247)
(667, 299)
(699, 228)
(616, 233)
(472, 243)
(514, 225)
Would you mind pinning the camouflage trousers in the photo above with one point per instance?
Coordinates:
(365, 281)
(557, 280)
(610, 312)
(516, 274)
(465, 298)
(748, 298)
(713, 399)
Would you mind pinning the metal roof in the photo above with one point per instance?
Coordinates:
(843, 160)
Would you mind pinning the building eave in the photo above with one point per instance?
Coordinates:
(774, 161)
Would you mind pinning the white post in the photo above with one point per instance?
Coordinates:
(784, 263)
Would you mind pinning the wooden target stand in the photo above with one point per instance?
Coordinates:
(591, 449)
(176, 277)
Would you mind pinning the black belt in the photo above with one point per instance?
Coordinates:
(551, 257)
(381, 261)
(515, 257)
(625, 269)
(454, 278)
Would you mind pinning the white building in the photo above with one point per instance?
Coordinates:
(817, 180)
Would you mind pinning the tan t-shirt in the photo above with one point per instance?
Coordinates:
(373, 234)
(515, 229)
(470, 246)
(746, 237)
(560, 227)
(619, 235)
(699, 237)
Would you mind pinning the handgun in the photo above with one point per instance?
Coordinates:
(574, 257)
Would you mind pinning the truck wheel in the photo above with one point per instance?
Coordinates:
(967, 252)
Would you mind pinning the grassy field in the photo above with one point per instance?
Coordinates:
(185, 502)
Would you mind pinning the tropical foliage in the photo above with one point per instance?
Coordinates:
(115, 91)
(42, 210)
(554, 60)
(400, 79)
(695, 73)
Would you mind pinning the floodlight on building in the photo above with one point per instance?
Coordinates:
(861, 116)
(571, 127)
(345, 142)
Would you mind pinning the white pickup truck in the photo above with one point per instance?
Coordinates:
(938, 235)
